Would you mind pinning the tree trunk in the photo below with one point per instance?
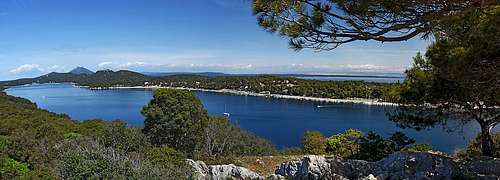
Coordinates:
(486, 140)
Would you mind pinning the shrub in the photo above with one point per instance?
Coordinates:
(174, 118)
(165, 156)
(93, 128)
(72, 136)
(419, 148)
(291, 151)
(88, 159)
(314, 143)
(124, 138)
(374, 147)
(11, 168)
(4, 141)
(224, 140)
(344, 144)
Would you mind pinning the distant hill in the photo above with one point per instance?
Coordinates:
(103, 78)
(81, 70)
(48, 78)
(106, 78)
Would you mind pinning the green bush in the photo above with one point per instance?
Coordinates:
(223, 141)
(165, 156)
(374, 147)
(419, 148)
(353, 144)
(125, 138)
(344, 144)
(314, 143)
(93, 128)
(4, 141)
(11, 168)
(88, 159)
(291, 151)
(72, 136)
(174, 118)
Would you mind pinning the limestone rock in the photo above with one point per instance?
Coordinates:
(275, 177)
(400, 165)
(199, 168)
(221, 172)
(484, 168)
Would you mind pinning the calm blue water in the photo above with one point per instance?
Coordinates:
(283, 121)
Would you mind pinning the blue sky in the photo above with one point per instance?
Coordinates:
(41, 36)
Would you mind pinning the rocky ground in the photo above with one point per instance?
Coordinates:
(400, 165)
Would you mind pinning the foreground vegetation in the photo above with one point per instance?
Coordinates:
(35, 143)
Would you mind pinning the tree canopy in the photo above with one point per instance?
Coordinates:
(459, 75)
(326, 24)
(174, 118)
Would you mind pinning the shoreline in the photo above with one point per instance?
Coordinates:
(370, 102)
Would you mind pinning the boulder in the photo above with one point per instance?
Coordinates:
(220, 172)
(199, 169)
(320, 167)
(484, 168)
(416, 165)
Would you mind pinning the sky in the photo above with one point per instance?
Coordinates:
(42, 36)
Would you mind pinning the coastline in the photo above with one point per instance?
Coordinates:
(370, 102)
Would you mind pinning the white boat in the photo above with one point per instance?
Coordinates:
(226, 114)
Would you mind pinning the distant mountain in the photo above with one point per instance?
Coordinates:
(81, 70)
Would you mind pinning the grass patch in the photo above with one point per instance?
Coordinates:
(264, 165)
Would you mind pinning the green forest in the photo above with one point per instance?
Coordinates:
(388, 92)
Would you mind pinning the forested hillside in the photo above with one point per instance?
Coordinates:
(37, 144)
(257, 84)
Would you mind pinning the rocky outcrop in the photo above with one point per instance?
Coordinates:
(484, 168)
(400, 165)
(221, 172)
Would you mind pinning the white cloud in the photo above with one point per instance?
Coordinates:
(366, 67)
(133, 64)
(26, 68)
(55, 68)
(104, 64)
(36, 69)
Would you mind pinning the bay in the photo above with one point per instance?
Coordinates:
(282, 121)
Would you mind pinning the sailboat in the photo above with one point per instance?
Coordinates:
(225, 112)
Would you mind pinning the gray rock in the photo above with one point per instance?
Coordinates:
(484, 168)
(417, 165)
(220, 172)
(275, 177)
(199, 169)
(369, 177)
(400, 165)
(318, 167)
